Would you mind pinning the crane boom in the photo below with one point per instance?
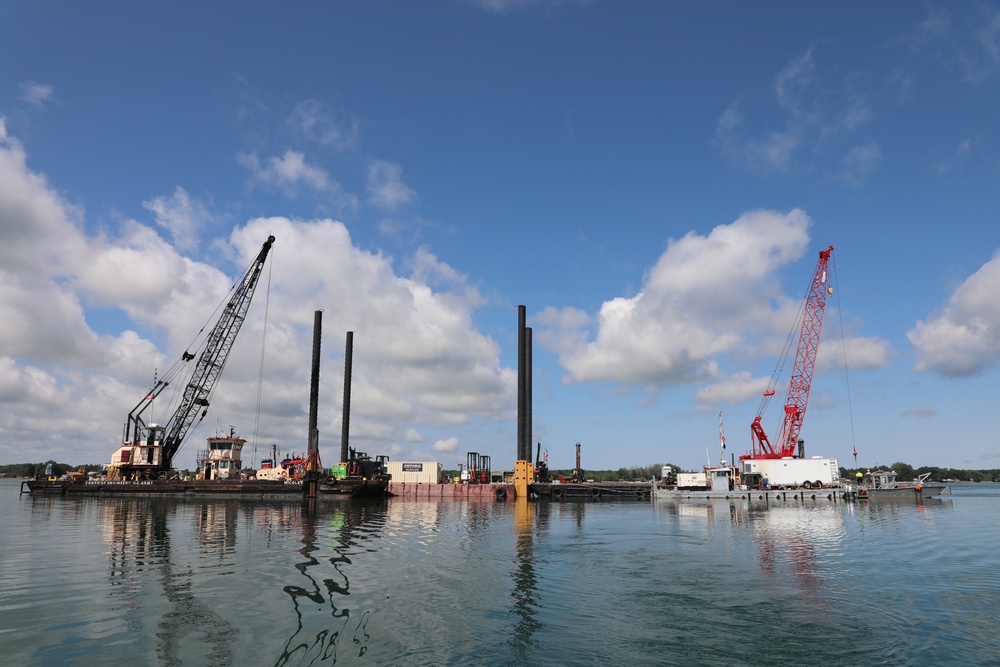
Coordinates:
(802, 371)
(157, 445)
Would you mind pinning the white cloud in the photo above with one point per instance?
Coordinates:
(739, 387)
(964, 338)
(710, 302)
(700, 300)
(33, 216)
(318, 124)
(792, 83)
(859, 354)
(706, 296)
(386, 189)
(446, 446)
(37, 95)
(419, 360)
(291, 173)
(181, 215)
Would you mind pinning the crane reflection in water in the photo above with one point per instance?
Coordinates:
(140, 540)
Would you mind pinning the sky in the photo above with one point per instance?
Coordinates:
(653, 181)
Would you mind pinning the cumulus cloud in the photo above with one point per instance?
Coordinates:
(739, 387)
(708, 309)
(706, 296)
(447, 445)
(419, 360)
(963, 339)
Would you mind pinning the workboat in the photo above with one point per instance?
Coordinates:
(881, 484)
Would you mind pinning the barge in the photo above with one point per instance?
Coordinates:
(246, 488)
(591, 490)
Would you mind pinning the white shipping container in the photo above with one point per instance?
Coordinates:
(692, 480)
(415, 472)
(794, 472)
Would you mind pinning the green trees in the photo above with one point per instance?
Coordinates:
(904, 470)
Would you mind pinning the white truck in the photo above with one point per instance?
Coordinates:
(792, 472)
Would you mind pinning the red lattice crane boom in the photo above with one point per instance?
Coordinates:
(802, 372)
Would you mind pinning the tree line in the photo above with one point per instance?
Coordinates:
(31, 470)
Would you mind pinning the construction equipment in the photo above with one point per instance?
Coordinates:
(805, 361)
(148, 449)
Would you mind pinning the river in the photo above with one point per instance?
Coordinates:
(217, 582)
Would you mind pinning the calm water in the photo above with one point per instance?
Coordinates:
(216, 582)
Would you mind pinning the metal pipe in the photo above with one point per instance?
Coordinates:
(527, 394)
(346, 424)
(314, 384)
(521, 407)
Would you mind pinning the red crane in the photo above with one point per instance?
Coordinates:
(802, 373)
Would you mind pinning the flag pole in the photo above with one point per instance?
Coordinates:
(722, 442)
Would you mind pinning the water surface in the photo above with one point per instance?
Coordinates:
(400, 582)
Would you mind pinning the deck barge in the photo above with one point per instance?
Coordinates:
(345, 488)
(592, 490)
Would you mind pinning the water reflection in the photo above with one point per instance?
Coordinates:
(526, 605)
(139, 539)
(786, 538)
(347, 525)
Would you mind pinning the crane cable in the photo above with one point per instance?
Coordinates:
(847, 381)
(260, 372)
(177, 393)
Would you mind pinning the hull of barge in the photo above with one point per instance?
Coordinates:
(344, 488)
(592, 491)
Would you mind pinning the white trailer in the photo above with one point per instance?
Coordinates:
(792, 472)
(692, 480)
(415, 472)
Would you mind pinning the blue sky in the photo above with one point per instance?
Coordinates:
(652, 180)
